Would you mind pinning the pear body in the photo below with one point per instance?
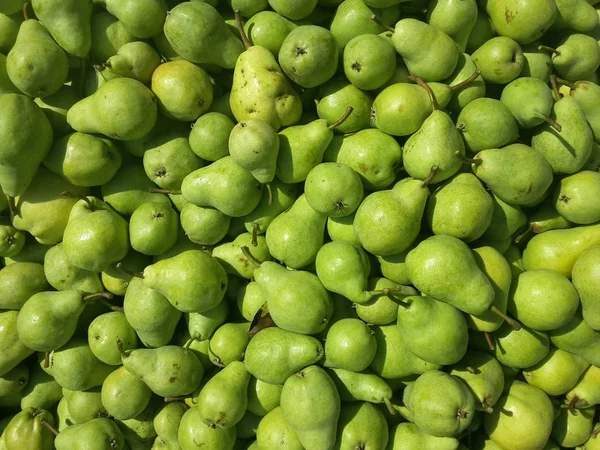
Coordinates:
(585, 278)
(557, 373)
(524, 22)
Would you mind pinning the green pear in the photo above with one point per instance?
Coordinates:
(75, 367)
(150, 314)
(577, 337)
(172, 277)
(456, 19)
(309, 55)
(74, 16)
(530, 101)
(342, 229)
(274, 354)
(194, 432)
(506, 220)
(393, 359)
(566, 150)
(297, 300)
(29, 429)
(310, 403)
(28, 134)
(559, 249)
(294, 9)
(122, 109)
(233, 259)
(224, 185)
(295, 236)
(228, 343)
(436, 143)
(209, 138)
(570, 430)
(268, 29)
(250, 299)
(108, 36)
(382, 309)
(223, 399)
(525, 22)
(407, 435)
(336, 95)
(524, 414)
(444, 267)
(585, 278)
(538, 62)
(166, 422)
(6, 86)
(15, 380)
(362, 424)
(263, 397)
(519, 348)
(57, 105)
(143, 19)
(99, 430)
(500, 60)
(350, 344)
(372, 154)
(137, 60)
(153, 228)
(333, 189)
(460, 208)
(586, 95)
(575, 15)
(202, 325)
(274, 432)
(361, 386)
(36, 65)
(168, 371)
(204, 225)
(486, 123)
(9, 28)
(42, 391)
(434, 61)
(19, 282)
(124, 395)
(62, 275)
(395, 214)
(585, 392)
(465, 84)
(577, 57)
(530, 173)
(103, 333)
(557, 373)
(439, 404)
(570, 194)
(84, 406)
(369, 61)
(15, 351)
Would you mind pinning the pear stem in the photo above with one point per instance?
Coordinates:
(79, 197)
(240, 27)
(425, 86)
(490, 342)
(120, 267)
(46, 360)
(188, 343)
(106, 295)
(121, 348)
(254, 241)
(173, 399)
(389, 406)
(554, 85)
(164, 191)
(401, 289)
(379, 22)
(432, 173)
(250, 256)
(595, 433)
(49, 426)
(476, 161)
(553, 123)
(472, 370)
(566, 83)
(25, 11)
(512, 322)
(113, 307)
(545, 48)
(270, 193)
(524, 234)
(342, 119)
(466, 82)
(12, 207)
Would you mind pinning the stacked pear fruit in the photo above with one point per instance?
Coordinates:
(299, 225)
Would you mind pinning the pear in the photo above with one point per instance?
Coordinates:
(28, 135)
(557, 373)
(372, 154)
(506, 220)
(295, 236)
(36, 65)
(519, 348)
(586, 94)
(525, 22)
(369, 61)
(263, 397)
(30, 428)
(223, 399)
(439, 404)
(361, 386)
(122, 108)
(124, 395)
(19, 282)
(228, 343)
(577, 57)
(9, 24)
(150, 314)
(350, 344)
(559, 249)
(15, 351)
(48, 320)
(310, 403)
(172, 278)
(524, 414)
(108, 35)
(387, 222)
(141, 19)
(465, 84)
(84, 406)
(57, 105)
(333, 189)
(274, 432)
(486, 123)
(208, 185)
(204, 225)
(233, 259)
(92, 432)
(273, 100)
(168, 371)
(268, 29)
(15, 380)
(538, 62)
(202, 325)
(570, 430)
(42, 391)
(297, 300)
(62, 275)
(585, 392)
(434, 331)
(153, 228)
(569, 197)
(362, 424)
(75, 367)
(194, 432)
(500, 60)
(167, 419)
(274, 354)
(456, 19)
(577, 337)
(566, 150)
(209, 138)
(530, 173)
(103, 333)
(407, 435)
(530, 101)
(585, 278)
(137, 60)
(383, 306)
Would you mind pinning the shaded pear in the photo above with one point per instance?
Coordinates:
(274, 432)
(519, 348)
(94, 431)
(585, 392)
(228, 343)
(124, 395)
(194, 432)
(586, 277)
(137, 60)
(406, 435)
(557, 373)
(28, 429)
(577, 337)
(20, 281)
(141, 19)
(525, 22)
(362, 424)
(15, 351)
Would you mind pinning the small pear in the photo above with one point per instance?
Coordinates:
(577, 57)
(530, 101)
(137, 60)
(577, 337)
(124, 395)
(228, 343)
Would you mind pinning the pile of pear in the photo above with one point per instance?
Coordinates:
(299, 225)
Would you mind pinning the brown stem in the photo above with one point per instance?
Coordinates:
(425, 86)
(553, 123)
(379, 22)
(164, 191)
(555, 88)
(26, 11)
(240, 27)
(595, 433)
(461, 414)
(132, 273)
(121, 348)
(79, 197)
(270, 193)
(389, 406)
(254, 241)
(463, 158)
(466, 82)
(46, 360)
(512, 322)
(174, 399)
(489, 340)
(12, 207)
(106, 295)
(524, 234)
(49, 426)
(566, 83)
(432, 173)
(545, 48)
(472, 370)
(250, 256)
(342, 119)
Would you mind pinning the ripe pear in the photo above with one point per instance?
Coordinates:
(557, 373)
(524, 22)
